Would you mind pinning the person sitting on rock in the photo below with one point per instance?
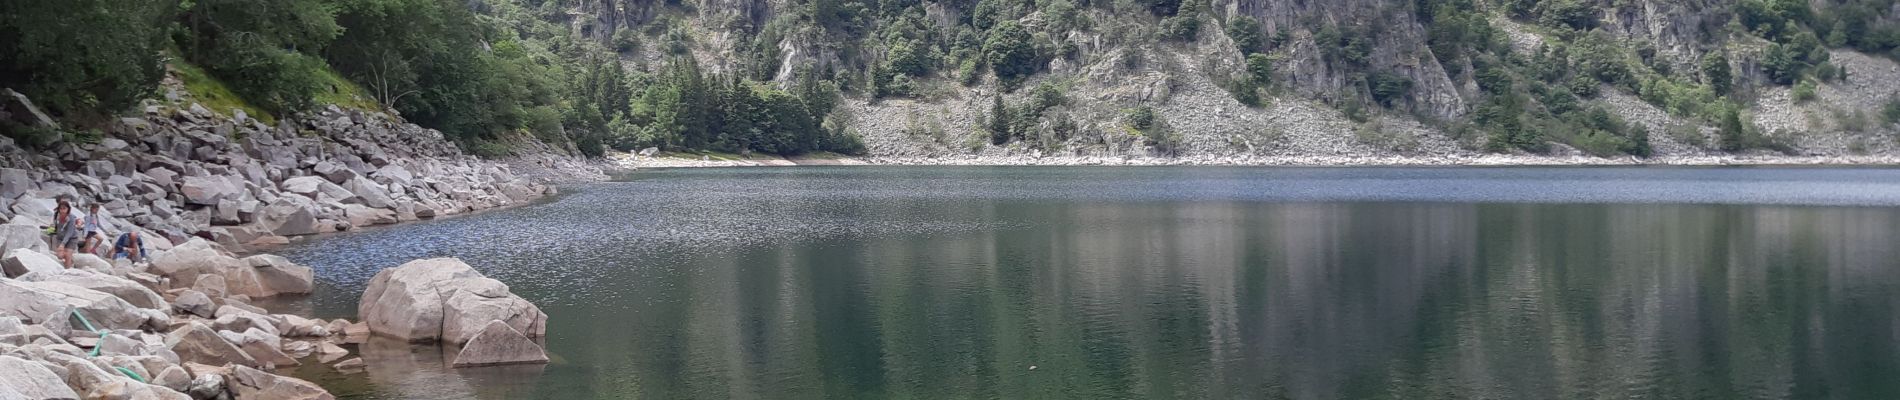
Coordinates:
(94, 230)
(129, 246)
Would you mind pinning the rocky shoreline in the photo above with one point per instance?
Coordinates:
(203, 188)
(177, 172)
(182, 326)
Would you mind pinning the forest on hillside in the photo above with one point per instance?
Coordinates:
(769, 76)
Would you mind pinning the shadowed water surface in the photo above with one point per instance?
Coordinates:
(1229, 283)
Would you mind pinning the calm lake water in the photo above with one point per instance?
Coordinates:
(1159, 283)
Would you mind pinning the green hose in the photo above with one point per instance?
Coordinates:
(102, 344)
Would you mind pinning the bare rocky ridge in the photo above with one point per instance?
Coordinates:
(1119, 64)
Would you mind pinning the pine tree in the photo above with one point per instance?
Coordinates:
(999, 121)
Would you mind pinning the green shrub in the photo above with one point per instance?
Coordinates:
(1387, 87)
(1141, 118)
(1804, 91)
(1246, 33)
(1687, 134)
(1181, 28)
(1045, 96)
(1009, 53)
(969, 73)
(1715, 72)
(626, 41)
(1245, 91)
(1260, 67)
(1062, 15)
(1734, 132)
(1572, 14)
(999, 121)
(1890, 112)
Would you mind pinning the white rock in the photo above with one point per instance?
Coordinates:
(498, 344)
(32, 380)
(249, 383)
(196, 343)
(91, 262)
(125, 289)
(42, 302)
(206, 191)
(23, 261)
(195, 303)
(304, 185)
(279, 276)
(443, 299)
(20, 236)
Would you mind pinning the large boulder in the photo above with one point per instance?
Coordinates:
(498, 344)
(360, 215)
(443, 299)
(44, 302)
(125, 289)
(330, 192)
(393, 174)
(288, 218)
(336, 173)
(23, 261)
(279, 276)
(206, 191)
(197, 259)
(21, 236)
(185, 262)
(23, 111)
(32, 380)
(195, 303)
(91, 262)
(197, 343)
(15, 182)
(370, 193)
(247, 383)
(304, 185)
(265, 347)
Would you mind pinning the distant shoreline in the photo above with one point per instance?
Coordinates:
(1486, 160)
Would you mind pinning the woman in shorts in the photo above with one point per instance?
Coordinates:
(66, 232)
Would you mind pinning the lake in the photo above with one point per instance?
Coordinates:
(1169, 282)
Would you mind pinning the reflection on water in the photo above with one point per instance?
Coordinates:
(879, 283)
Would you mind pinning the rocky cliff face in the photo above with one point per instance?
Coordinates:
(181, 170)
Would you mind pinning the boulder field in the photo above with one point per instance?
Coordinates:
(204, 189)
(175, 172)
(180, 326)
(136, 330)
